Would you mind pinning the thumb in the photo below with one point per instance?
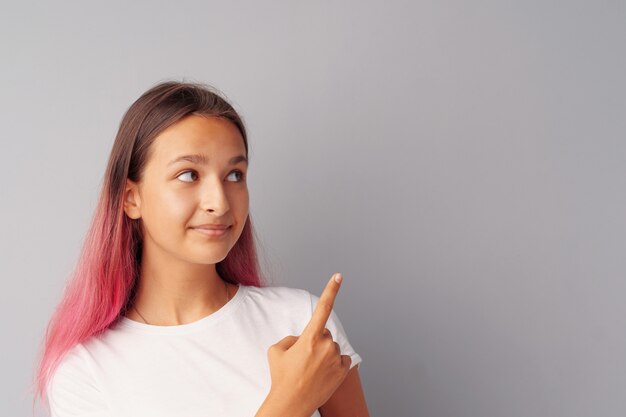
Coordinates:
(286, 342)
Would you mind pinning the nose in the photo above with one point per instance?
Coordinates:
(214, 197)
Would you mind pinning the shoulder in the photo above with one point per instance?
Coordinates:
(279, 295)
(72, 389)
(291, 305)
(74, 360)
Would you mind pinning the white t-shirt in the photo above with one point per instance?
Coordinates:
(216, 366)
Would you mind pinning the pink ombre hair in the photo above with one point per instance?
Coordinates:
(102, 285)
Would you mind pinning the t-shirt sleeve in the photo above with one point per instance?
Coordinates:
(339, 335)
(72, 390)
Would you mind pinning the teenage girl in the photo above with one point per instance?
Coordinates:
(166, 313)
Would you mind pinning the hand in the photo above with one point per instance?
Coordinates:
(307, 369)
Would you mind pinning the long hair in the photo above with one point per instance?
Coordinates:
(102, 285)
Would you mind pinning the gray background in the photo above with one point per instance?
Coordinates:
(462, 163)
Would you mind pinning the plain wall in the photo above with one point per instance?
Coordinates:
(462, 163)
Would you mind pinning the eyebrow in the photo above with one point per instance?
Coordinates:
(200, 159)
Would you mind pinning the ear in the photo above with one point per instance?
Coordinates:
(132, 200)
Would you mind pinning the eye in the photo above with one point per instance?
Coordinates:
(186, 172)
(241, 175)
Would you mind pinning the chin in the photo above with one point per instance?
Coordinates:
(209, 258)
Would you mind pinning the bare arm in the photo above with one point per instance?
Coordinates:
(348, 400)
(277, 405)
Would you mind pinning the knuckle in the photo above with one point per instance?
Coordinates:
(310, 348)
(329, 346)
(311, 339)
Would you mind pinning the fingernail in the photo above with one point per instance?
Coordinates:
(338, 278)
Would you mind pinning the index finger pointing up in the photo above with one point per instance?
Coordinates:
(324, 307)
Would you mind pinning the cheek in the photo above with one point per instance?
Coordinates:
(165, 208)
(243, 205)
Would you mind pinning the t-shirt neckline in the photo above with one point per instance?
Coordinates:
(211, 319)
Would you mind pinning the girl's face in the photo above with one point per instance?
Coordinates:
(195, 175)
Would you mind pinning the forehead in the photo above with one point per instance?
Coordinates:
(217, 138)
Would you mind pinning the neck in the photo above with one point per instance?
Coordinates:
(175, 293)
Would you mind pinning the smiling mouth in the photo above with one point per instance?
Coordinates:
(212, 232)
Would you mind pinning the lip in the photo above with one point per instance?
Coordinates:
(212, 226)
(212, 230)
